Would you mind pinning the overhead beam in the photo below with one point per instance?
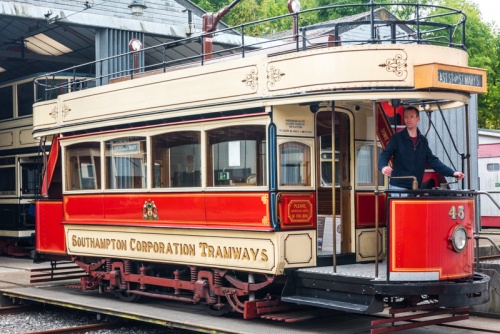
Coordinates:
(34, 56)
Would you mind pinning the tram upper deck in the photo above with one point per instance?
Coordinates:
(365, 57)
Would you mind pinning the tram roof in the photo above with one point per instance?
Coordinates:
(51, 25)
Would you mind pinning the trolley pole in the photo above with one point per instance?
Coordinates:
(209, 25)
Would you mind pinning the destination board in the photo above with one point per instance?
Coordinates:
(468, 79)
(458, 78)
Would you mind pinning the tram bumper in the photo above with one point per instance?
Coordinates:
(457, 293)
(363, 295)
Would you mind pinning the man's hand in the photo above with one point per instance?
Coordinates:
(387, 170)
(458, 175)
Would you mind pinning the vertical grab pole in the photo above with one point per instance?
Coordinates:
(375, 171)
(467, 144)
(334, 208)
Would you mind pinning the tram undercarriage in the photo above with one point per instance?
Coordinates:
(253, 295)
(220, 290)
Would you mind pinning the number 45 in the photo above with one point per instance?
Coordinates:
(457, 212)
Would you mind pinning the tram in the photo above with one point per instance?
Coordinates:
(21, 160)
(19, 168)
(247, 177)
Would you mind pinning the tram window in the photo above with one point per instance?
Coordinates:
(236, 156)
(295, 164)
(364, 167)
(83, 166)
(493, 167)
(25, 98)
(126, 163)
(7, 104)
(30, 176)
(177, 159)
(8, 177)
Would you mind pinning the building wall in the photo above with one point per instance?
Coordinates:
(441, 142)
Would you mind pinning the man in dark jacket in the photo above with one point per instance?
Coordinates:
(410, 152)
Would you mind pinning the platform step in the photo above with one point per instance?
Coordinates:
(354, 295)
(329, 303)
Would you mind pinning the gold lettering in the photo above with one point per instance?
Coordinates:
(263, 256)
(245, 256)
(210, 251)
(203, 246)
(236, 253)
(254, 253)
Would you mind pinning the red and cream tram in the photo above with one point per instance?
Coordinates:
(250, 179)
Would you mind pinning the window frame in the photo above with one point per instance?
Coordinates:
(310, 143)
(358, 144)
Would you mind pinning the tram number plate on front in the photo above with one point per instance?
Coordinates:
(457, 212)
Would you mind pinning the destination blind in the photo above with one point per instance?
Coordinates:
(460, 78)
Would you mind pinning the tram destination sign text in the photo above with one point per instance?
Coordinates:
(469, 79)
(458, 78)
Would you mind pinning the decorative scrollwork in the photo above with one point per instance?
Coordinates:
(274, 75)
(397, 65)
(65, 111)
(53, 113)
(251, 80)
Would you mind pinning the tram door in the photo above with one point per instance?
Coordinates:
(333, 188)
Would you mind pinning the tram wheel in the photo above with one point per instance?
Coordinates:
(218, 311)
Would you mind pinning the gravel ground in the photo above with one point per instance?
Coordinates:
(52, 317)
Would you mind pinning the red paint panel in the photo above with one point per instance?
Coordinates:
(87, 208)
(238, 209)
(49, 237)
(490, 221)
(242, 210)
(365, 209)
(488, 151)
(419, 236)
(179, 208)
(297, 210)
(51, 166)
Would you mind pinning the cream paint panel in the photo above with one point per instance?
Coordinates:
(356, 66)
(294, 121)
(26, 138)
(246, 251)
(365, 244)
(45, 113)
(165, 92)
(6, 139)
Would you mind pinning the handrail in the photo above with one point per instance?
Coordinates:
(428, 31)
(487, 193)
